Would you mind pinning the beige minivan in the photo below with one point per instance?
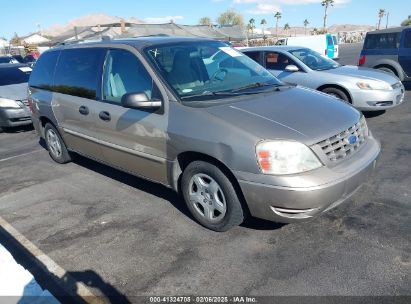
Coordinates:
(204, 119)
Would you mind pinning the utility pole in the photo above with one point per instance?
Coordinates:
(388, 15)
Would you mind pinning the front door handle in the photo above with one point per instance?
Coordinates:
(104, 115)
(83, 110)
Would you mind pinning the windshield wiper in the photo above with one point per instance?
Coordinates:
(255, 85)
(209, 93)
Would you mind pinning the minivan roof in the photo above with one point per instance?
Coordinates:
(389, 30)
(139, 42)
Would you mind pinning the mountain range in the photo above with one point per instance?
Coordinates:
(92, 19)
(99, 18)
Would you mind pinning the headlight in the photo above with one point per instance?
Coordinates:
(374, 85)
(285, 157)
(8, 103)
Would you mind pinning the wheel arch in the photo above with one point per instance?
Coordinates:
(185, 158)
(388, 66)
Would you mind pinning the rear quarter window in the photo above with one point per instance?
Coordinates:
(382, 41)
(78, 72)
(43, 71)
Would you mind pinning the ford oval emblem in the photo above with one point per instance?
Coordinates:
(352, 139)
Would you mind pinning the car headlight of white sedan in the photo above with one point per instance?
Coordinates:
(280, 157)
(9, 103)
(374, 85)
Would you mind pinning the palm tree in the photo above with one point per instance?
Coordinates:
(263, 24)
(381, 14)
(326, 4)
(286, 28)
(305, 25)
(252, 26)
(278, 17)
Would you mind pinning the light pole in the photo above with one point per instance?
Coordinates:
(388, 15)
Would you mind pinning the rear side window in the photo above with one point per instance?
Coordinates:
(42, 75)
(407, 40)
(256, 56)
(382, 41)
(14, 75)
(335, 40)
(78, 72)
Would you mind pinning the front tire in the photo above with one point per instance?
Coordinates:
(211, 197)
(55, 145)
(336, 93)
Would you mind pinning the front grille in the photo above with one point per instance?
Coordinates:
(338, 147)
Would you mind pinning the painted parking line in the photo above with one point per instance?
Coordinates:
(24, 154)
(55, 270)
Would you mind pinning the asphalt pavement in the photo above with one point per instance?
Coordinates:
(123, 236)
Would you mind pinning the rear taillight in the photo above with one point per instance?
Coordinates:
(326, 52)
(362, 60)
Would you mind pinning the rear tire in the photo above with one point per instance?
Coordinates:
(211, 197)
(336, 93)
(55, 145)
(388, 70)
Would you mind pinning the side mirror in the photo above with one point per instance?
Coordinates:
(139, 100)
(292, 68)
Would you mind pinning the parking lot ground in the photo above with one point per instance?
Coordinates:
(123, 236)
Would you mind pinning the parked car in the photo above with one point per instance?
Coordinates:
(388, 50)
(326, 45)
(30, 60)
(366, 89)
(228, 135)
(13, 95)
(19, 58)
(7, 59)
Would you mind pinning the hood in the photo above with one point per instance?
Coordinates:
(295, 113)
(364, 73)
(14, 91)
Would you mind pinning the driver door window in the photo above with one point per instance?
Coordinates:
(277, 61)
(124, 73)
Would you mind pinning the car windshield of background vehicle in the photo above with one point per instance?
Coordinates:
(206, 70)
(14, 75)
(314, 60)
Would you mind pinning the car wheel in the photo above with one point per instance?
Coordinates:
(211, 197)
(55, 145)
(336, 93)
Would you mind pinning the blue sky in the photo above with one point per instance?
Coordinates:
(21, 17)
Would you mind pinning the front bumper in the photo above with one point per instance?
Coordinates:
(374, 100)
(14, 117)
(300, 197)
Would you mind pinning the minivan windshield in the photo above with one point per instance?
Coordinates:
(206, 69)
(314, 60)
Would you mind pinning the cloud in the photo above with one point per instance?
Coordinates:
(288, 2)
(165, 19)
(264, 7)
